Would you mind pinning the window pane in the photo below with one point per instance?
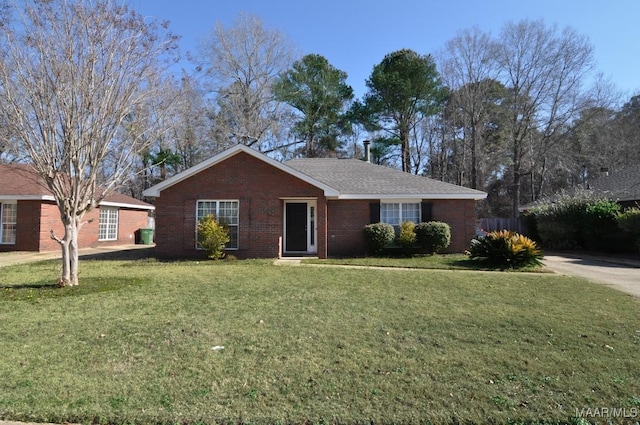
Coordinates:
(9, 214)
(205, 208)
(390, 214)
(411, 212)
(226, 212)
(108, 226)
(233, 237)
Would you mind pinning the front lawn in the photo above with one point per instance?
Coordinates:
(436, 261)
(141, 342)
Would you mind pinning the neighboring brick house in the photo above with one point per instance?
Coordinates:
(28, 213)
(301, 207)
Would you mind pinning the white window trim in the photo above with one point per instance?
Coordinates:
(3, 205)
(108, 224)
(218, 201)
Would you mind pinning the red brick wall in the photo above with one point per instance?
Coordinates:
(460, 214)
(259, 188)
(36, 219)
(129, 222)
(347, 220)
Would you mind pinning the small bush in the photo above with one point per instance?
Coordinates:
(506, 250)
(407, 235)
(629, 221)
(378, 235)
(576, 221)
(212, 237)
(600, 222)
(433, 236)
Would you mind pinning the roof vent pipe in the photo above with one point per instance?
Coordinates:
(367, 151)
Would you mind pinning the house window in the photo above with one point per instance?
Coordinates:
(397, 212)
(108, 226)
(226, 212)
(8, 220)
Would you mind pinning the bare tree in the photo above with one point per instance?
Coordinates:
(468, 64)
(187, 141)
(545, 70)
(241, 64)
(71, 73)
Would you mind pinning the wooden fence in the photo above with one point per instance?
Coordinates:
(513, 224)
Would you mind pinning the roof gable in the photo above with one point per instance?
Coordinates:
(154, 191)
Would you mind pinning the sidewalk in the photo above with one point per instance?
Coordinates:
(126, 251)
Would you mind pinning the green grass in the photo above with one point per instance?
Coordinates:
(133, 344)
(436, 261)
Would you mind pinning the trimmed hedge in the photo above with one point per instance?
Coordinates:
(433, 236)
(577, 222)
(407, 236)
(629, 221)
(429, 237)
(378, 236)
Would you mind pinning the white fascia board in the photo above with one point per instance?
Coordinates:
(154, 191)
(472, 196)
(125, 205)
(27, 198)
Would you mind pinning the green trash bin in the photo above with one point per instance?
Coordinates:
(146, 236)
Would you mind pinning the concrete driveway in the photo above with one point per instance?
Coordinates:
(620, 274)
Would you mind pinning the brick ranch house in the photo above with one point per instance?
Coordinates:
(301, 207)
(28, 213)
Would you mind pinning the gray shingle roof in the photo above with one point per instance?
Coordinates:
(623, 185)
(359, 179)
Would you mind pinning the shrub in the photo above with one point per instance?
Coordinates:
(212, 237)
(407, 235)
(600, 222)
(506, 250)
(577, 221)
(433, 236)
(378, 235)
(629, 221)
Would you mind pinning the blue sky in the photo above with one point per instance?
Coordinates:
(354, 35)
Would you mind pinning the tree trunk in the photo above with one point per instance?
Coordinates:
(516, 194)
(69, 247)
(405, 147)
(474, 159)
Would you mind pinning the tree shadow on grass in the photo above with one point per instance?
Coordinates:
(121, 255)
(37, 292)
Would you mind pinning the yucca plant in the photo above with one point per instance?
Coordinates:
(506, 250)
